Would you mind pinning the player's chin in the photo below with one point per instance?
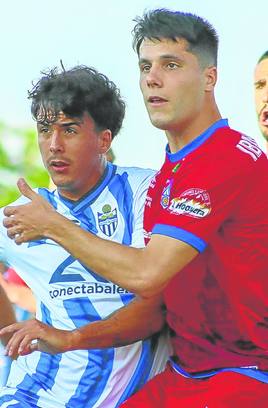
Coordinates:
(60, 180)
(159, 122)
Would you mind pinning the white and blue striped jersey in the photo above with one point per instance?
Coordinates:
(69, 295)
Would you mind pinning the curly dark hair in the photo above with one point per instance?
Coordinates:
(161, 24)
(75, 92)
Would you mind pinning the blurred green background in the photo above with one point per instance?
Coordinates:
(19, 157)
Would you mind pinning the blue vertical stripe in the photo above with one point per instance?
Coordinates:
(88, 219)
(142, 372)
(44, 376)
(123, 194)
(100, 362)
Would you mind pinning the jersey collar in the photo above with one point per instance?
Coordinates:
(189, 148)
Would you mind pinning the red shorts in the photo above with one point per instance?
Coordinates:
(224, 390)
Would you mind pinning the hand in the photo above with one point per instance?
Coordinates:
(49, 339)
(27, 222)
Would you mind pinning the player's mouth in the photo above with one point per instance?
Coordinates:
(264, 118)
(58, 166)
(156, 101)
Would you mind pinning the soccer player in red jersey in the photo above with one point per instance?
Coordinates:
(206, 225)
(261, 93)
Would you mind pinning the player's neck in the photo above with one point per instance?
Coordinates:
(180, 137)
(81, 187)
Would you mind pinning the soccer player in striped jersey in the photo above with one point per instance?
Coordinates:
(78, 112)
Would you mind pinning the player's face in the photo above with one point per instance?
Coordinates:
(172, 83)
(71, 150)
(261, 95)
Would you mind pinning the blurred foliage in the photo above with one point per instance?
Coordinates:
(19, 157)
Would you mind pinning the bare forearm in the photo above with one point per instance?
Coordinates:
(7, 315)
(135, 322)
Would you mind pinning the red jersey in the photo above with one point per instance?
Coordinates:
(212, 195)
(13, 277)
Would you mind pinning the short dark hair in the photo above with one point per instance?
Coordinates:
(77, 91)
(166, 24)
(263, 56)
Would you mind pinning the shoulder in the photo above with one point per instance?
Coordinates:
(237, 151)
(233, 142)
(136, 176)
(136, 172)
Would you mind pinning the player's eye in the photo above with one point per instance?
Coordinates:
(172, 65)
(44, 129)
(260, 84)
(145, 68)
(70, 130)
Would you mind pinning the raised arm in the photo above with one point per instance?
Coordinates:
(142, 271)
(138, 320)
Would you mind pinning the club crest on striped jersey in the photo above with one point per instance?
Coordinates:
(164, 201)
(108, 220)
(193, 202)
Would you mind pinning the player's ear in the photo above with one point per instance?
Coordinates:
(210, 78)
(105, 140)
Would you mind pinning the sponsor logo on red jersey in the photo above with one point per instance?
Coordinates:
(194, 202)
